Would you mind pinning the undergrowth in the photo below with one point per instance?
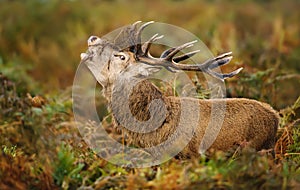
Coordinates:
(42, 148)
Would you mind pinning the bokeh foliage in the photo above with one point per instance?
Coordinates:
(40, 44)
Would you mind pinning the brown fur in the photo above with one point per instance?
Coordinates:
(245, 121)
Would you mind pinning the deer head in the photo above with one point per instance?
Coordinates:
(127, 56)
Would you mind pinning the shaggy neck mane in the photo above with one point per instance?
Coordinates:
(139, 101)
(140, 97)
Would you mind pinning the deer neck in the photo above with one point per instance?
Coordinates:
(107, 92)
(135, 95)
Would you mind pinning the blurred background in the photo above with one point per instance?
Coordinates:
(41, 40)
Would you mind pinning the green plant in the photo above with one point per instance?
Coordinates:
(66, 171)
(10, 151)
(289, 113)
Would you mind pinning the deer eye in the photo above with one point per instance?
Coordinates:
(120, 56)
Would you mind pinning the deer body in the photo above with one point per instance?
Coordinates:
(245, 121)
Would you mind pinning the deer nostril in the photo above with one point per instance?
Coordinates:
(93, 40)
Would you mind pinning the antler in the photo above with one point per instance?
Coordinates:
(170, 61)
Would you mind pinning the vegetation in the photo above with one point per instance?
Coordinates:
(40, 44)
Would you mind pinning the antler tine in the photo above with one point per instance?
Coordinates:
(218, 61)
(136, 23)
(167, 52)
(222, 76)
(178, 49)
(223, 55)
(185, 56)
(138, 45)
(140, 30)
(235, 72)
(147, 44)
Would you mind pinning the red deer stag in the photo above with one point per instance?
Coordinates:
(124, 71)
